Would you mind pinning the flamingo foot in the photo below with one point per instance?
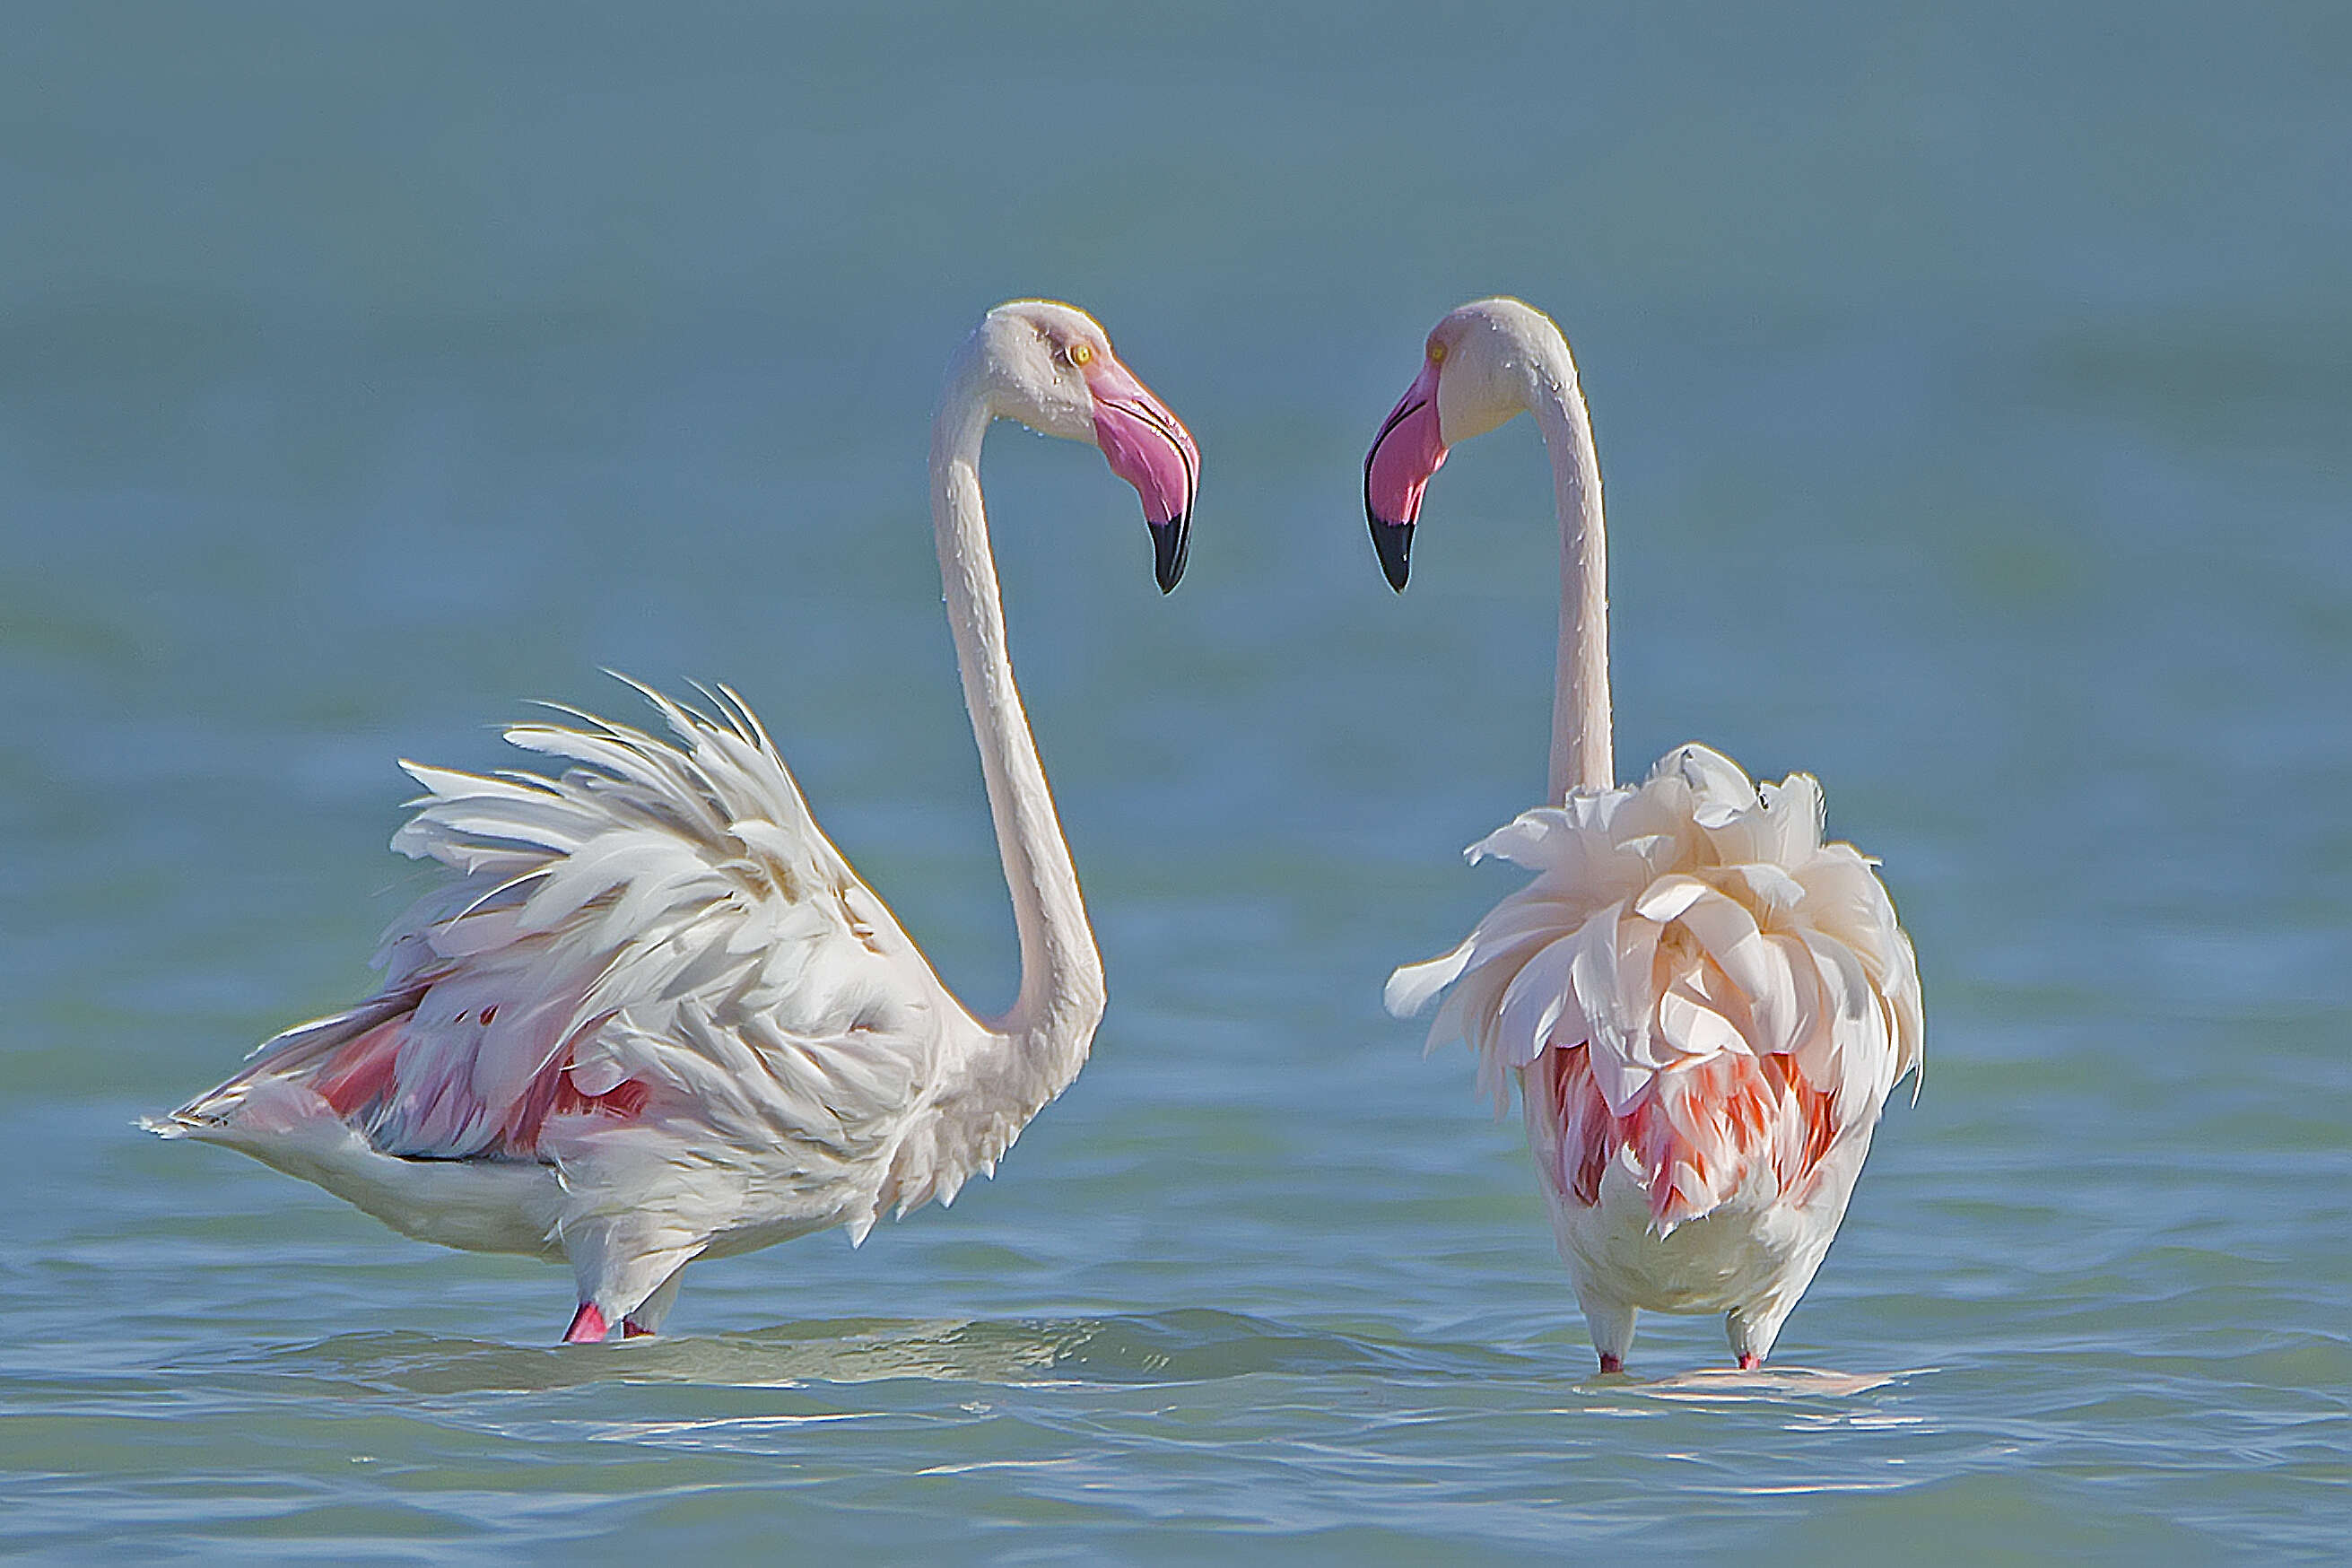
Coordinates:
(588, 1326)
(1749, 1361)
(1611, 1362)
(633, 1330)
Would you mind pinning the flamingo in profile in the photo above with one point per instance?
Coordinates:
(656, 1016)
(1704, 1006)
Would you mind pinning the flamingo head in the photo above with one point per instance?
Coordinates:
(1479, 368)
(1051, 366)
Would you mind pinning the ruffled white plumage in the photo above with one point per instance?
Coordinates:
(666, 916)
(1671, 923)
(1705, 1006)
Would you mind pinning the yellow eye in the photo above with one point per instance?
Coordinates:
(1436, 353)
(1081, 352)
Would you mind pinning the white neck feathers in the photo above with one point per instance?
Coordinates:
(1582, 756)
(1052, 1018)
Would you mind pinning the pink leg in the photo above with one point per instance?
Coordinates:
(1611, 1362)
(588, 1326)
(633, 1330)
(1750, 1361)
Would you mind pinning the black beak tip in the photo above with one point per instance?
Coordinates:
(1394, 542)
(1171, 541)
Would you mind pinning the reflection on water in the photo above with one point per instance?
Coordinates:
(1772, 1383)
(1183, 1346)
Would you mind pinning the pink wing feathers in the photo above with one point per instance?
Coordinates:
(1693, 980)
(660, 940)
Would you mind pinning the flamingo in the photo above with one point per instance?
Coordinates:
(1704, 1006)
(656, 1016)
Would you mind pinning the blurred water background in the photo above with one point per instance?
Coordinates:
(1972, 388)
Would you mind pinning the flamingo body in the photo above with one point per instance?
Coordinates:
(1703, 1005)
(654, 1015)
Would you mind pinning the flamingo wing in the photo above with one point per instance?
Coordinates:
(1693, 978)
(651, 964)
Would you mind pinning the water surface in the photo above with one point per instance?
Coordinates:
(1971, 394)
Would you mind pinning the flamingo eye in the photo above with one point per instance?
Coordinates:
(1436, 353)
(1081, 352)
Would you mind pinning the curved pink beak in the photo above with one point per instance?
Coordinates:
(1148, 447)
(1404, 453)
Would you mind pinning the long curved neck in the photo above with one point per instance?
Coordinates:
(1580, 752)
(1061, 998)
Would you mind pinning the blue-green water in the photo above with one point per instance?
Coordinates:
(1972, 388)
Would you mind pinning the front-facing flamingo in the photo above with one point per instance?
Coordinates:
(656, 1016)
(1704, 1003)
